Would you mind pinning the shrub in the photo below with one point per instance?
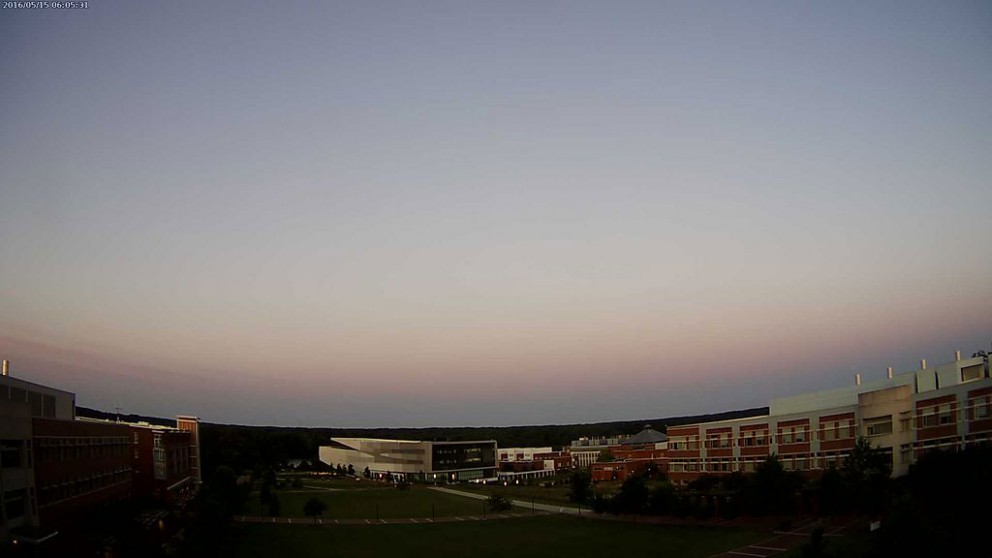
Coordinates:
(498, 503)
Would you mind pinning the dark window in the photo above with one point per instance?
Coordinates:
(10, 453)
(13, 503)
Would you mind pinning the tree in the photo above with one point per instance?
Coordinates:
(653, 472)
(867, 470)
(274, 505)
(498, 503)
(774, 488)
(662, 499)
(314, 507)
(605, 456)
(269, 477)
(633, 496)
(579, 485)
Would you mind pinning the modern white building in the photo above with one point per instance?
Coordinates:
(408, 459)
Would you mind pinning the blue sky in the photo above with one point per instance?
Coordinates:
(489, 213)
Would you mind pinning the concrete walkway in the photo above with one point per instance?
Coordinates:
(326, 522)
(547, 508)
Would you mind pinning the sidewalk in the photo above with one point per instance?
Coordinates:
(326, 522)
(547, 508)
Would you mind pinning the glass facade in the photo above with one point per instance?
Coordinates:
(455, 456)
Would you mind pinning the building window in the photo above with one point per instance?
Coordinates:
(975, 372)
(981, 407)
(13, 503)
(801, 434)
(946, 415)
(929, 417)
(10, 454)
(878, 426)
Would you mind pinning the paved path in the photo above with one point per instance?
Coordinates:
(547, 508)
(327, 522)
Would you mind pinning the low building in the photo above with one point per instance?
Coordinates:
(409, 460)
(526, 463)
(586, 451)
(633, 456)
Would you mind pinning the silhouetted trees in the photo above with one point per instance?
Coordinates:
(498, 503)
(579, 486)
(314, 507)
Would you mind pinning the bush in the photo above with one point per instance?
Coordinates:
(600, 503)
(498, 503)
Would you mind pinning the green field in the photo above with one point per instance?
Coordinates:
(538, 536)
(417, 501)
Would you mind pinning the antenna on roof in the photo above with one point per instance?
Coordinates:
(118, 409)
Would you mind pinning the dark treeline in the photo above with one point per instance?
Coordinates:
(101, 415)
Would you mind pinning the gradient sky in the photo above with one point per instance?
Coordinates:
(467, 213)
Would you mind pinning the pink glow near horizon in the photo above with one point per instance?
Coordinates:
(402, 216)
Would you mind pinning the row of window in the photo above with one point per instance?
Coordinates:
(805, 462)
(48, 441)
(42, 405)
(67, 488)
(758, 438)
(978, 408)
(65, 453)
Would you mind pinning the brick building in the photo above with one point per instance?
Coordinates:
(525, 463)
(904, 415)
(55, 467)
(163, 462)
(633, 456)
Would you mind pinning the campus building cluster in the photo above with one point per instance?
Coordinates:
(904, 415)
(55, 466)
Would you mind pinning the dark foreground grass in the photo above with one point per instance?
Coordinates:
(366, 504)
(537, 536)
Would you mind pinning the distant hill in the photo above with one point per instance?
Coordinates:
(101, 415)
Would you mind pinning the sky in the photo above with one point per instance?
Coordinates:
(489, 213)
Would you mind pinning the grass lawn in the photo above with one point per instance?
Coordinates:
(539, 536)
(361, 504)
